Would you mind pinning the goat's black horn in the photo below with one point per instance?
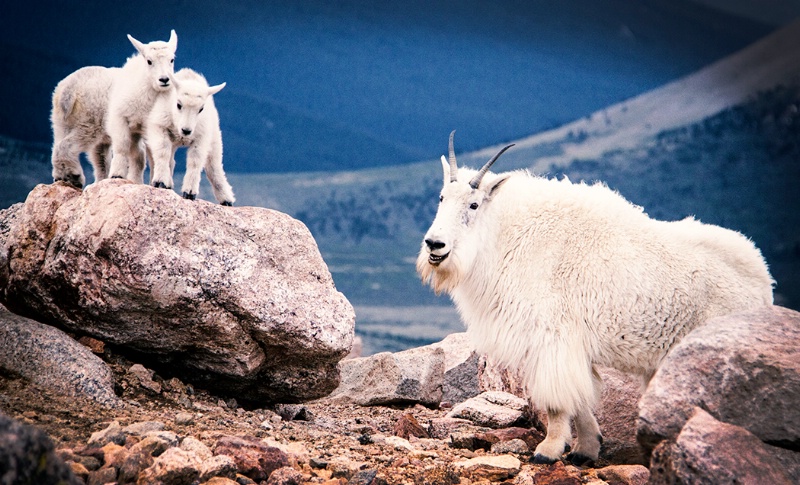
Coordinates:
(476, 181)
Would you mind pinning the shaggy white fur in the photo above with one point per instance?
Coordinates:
(80, 104)
(553, 278)
(188, 117)
(144, 78)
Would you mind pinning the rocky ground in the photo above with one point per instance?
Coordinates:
(318, 442)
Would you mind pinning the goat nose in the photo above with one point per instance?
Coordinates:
(434, 245)
(186, 131)
(164, 80)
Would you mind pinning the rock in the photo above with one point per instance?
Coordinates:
(398, 443)
(515, 445)
(617, 414)
(296, 451)
(197, 447)
(144, 377)
(494, 376)
(114, 455)
(438, 475)
(494, 468)
(237, 300)
(97, 347)
(103, 476)
(442, 428)
(487, 439)
(221, 481)
(294, 412)
(51, 359)
(709, 451)
(558, 474)
(184, 419)
(285, 476)
(111, 434)
(624, 474)
(494, 409)
(218, 466)
(743, 369)
(460, 368)
(174, 466)
(253, 458)
(168, 438)
(407, 426)
(363, 477)
(410, 376)
(27, 455)
(78, 470)
(135, 463)
(142, 428)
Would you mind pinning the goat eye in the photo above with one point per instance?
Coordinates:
(180, 106)
(473, 206)
(201, 110)
(149, 62)
(441, 198)
(172, 61)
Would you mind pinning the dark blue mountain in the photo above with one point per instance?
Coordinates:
(318, 85)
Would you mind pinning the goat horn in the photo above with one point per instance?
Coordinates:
(453, 166)
(476, 181)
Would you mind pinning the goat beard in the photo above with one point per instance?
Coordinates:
(444, 277)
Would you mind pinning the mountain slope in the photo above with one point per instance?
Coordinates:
(380, 83)
(728, 82)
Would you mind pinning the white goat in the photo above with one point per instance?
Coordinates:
(188, 117)
(553, 278)
(146, 76)
(80, 103)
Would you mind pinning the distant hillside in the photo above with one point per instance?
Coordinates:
(738, 169)
(319, 85)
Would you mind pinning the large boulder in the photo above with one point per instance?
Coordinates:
(238, 300)
(410, 376)
(743, 369)
(460, 367)
(709, 451)
(52, 359)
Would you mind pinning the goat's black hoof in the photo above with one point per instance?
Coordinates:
(71, 180)
(226, 203)
(579, 459)
(539, 459)
(189, 196)
(160, 185)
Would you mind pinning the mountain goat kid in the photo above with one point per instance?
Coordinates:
(80, 104)
(146, 76)
(188, 117)
(553, 278)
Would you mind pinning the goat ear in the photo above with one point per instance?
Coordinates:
(173, 40)
(496, 184)
(446, 169)
(215, 89)
(138, 45)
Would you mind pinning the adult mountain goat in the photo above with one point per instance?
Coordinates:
(553, 278)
